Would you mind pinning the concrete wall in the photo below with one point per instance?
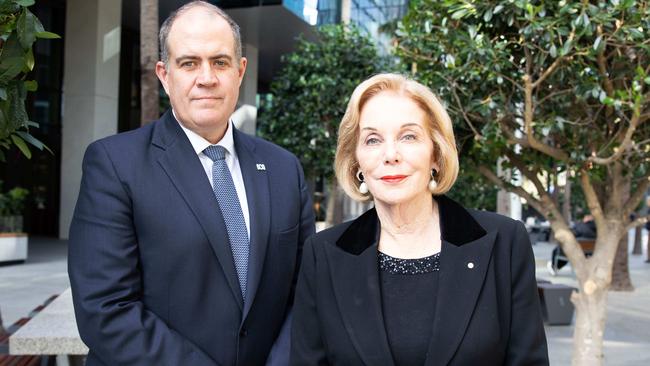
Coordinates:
(90, 89)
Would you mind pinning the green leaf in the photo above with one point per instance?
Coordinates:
(3, 93)
(487, 16)
(31, 85)
(10, 67)
(26, 28)
(32, 140)
(553, 51)
(647, 80)
(597, 43)
(25, 3)
(29, 60)
(459, 13)
(20, 143)
(47, 35)
(566, 48)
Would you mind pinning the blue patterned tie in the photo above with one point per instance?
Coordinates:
(224, 189)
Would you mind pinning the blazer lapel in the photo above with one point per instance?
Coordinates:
(355, 278)
(463, 267)
(256, 182)
(182, 166)
(356, 287)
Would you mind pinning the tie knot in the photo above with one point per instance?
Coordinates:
(215, 152)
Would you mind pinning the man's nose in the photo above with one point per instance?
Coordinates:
(207, 76)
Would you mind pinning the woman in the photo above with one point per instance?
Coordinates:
(416, 280)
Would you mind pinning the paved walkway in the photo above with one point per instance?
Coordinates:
(627, 335)
(627, 329)
(26, 285)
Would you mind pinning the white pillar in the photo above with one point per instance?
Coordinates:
(90, 89)
(246, 115)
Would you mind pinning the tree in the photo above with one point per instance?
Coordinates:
(310, 94)
(148, 57)
(19, 29)
(560, 89)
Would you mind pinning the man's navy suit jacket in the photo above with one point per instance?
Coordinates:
(152, 273)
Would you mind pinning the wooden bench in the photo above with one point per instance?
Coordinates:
(587, 246)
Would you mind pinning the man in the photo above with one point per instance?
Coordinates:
(187, 233)
(584, 230)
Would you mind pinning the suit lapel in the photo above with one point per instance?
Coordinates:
(182, 166)
(256, 182)
(461, 286)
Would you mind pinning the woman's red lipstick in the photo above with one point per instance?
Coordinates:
(393, 178)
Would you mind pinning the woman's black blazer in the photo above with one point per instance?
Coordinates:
(487, 310)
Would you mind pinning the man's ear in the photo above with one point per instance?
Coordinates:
(242, 68)
(161, 72)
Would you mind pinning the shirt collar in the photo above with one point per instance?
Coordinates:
(199, 143)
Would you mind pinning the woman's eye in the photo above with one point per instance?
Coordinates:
(372, 141)
(409, 137)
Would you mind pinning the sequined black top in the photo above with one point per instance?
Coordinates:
(408, 295)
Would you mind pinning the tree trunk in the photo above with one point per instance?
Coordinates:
(621, 271)
(149, 102)
(638, 241)
(566, 204)
(334, 204)
(591, 307)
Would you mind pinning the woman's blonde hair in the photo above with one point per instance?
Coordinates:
(439, 128)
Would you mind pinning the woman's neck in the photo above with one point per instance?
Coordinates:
(409, 230)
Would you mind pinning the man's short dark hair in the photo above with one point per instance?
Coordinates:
(167, 25)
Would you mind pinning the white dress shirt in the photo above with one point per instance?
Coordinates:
(199, 144)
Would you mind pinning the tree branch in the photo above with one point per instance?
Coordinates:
(491, 176)
(528, 126)
(592, 199)
(626, 144)
(638, 222)
(554, 65)
(554, 94)
(602, 66)
(636, 197)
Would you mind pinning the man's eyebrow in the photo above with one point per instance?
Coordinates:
(221, 55)
(192, 57)
(185, 57)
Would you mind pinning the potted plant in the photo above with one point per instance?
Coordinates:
(13, 241)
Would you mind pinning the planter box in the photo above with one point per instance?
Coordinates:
(13, 247)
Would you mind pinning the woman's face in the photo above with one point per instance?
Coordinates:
(395, 151)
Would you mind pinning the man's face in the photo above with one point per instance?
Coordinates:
(203, 75)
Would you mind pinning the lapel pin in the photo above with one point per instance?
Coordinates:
(260, 166)
(470, 265)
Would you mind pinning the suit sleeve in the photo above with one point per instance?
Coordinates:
(527, 341)
(307, 346)
(104, 270)
(279, 354)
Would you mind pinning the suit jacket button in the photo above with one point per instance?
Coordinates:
(243, 332)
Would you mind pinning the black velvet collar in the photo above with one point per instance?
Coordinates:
(456, 224)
